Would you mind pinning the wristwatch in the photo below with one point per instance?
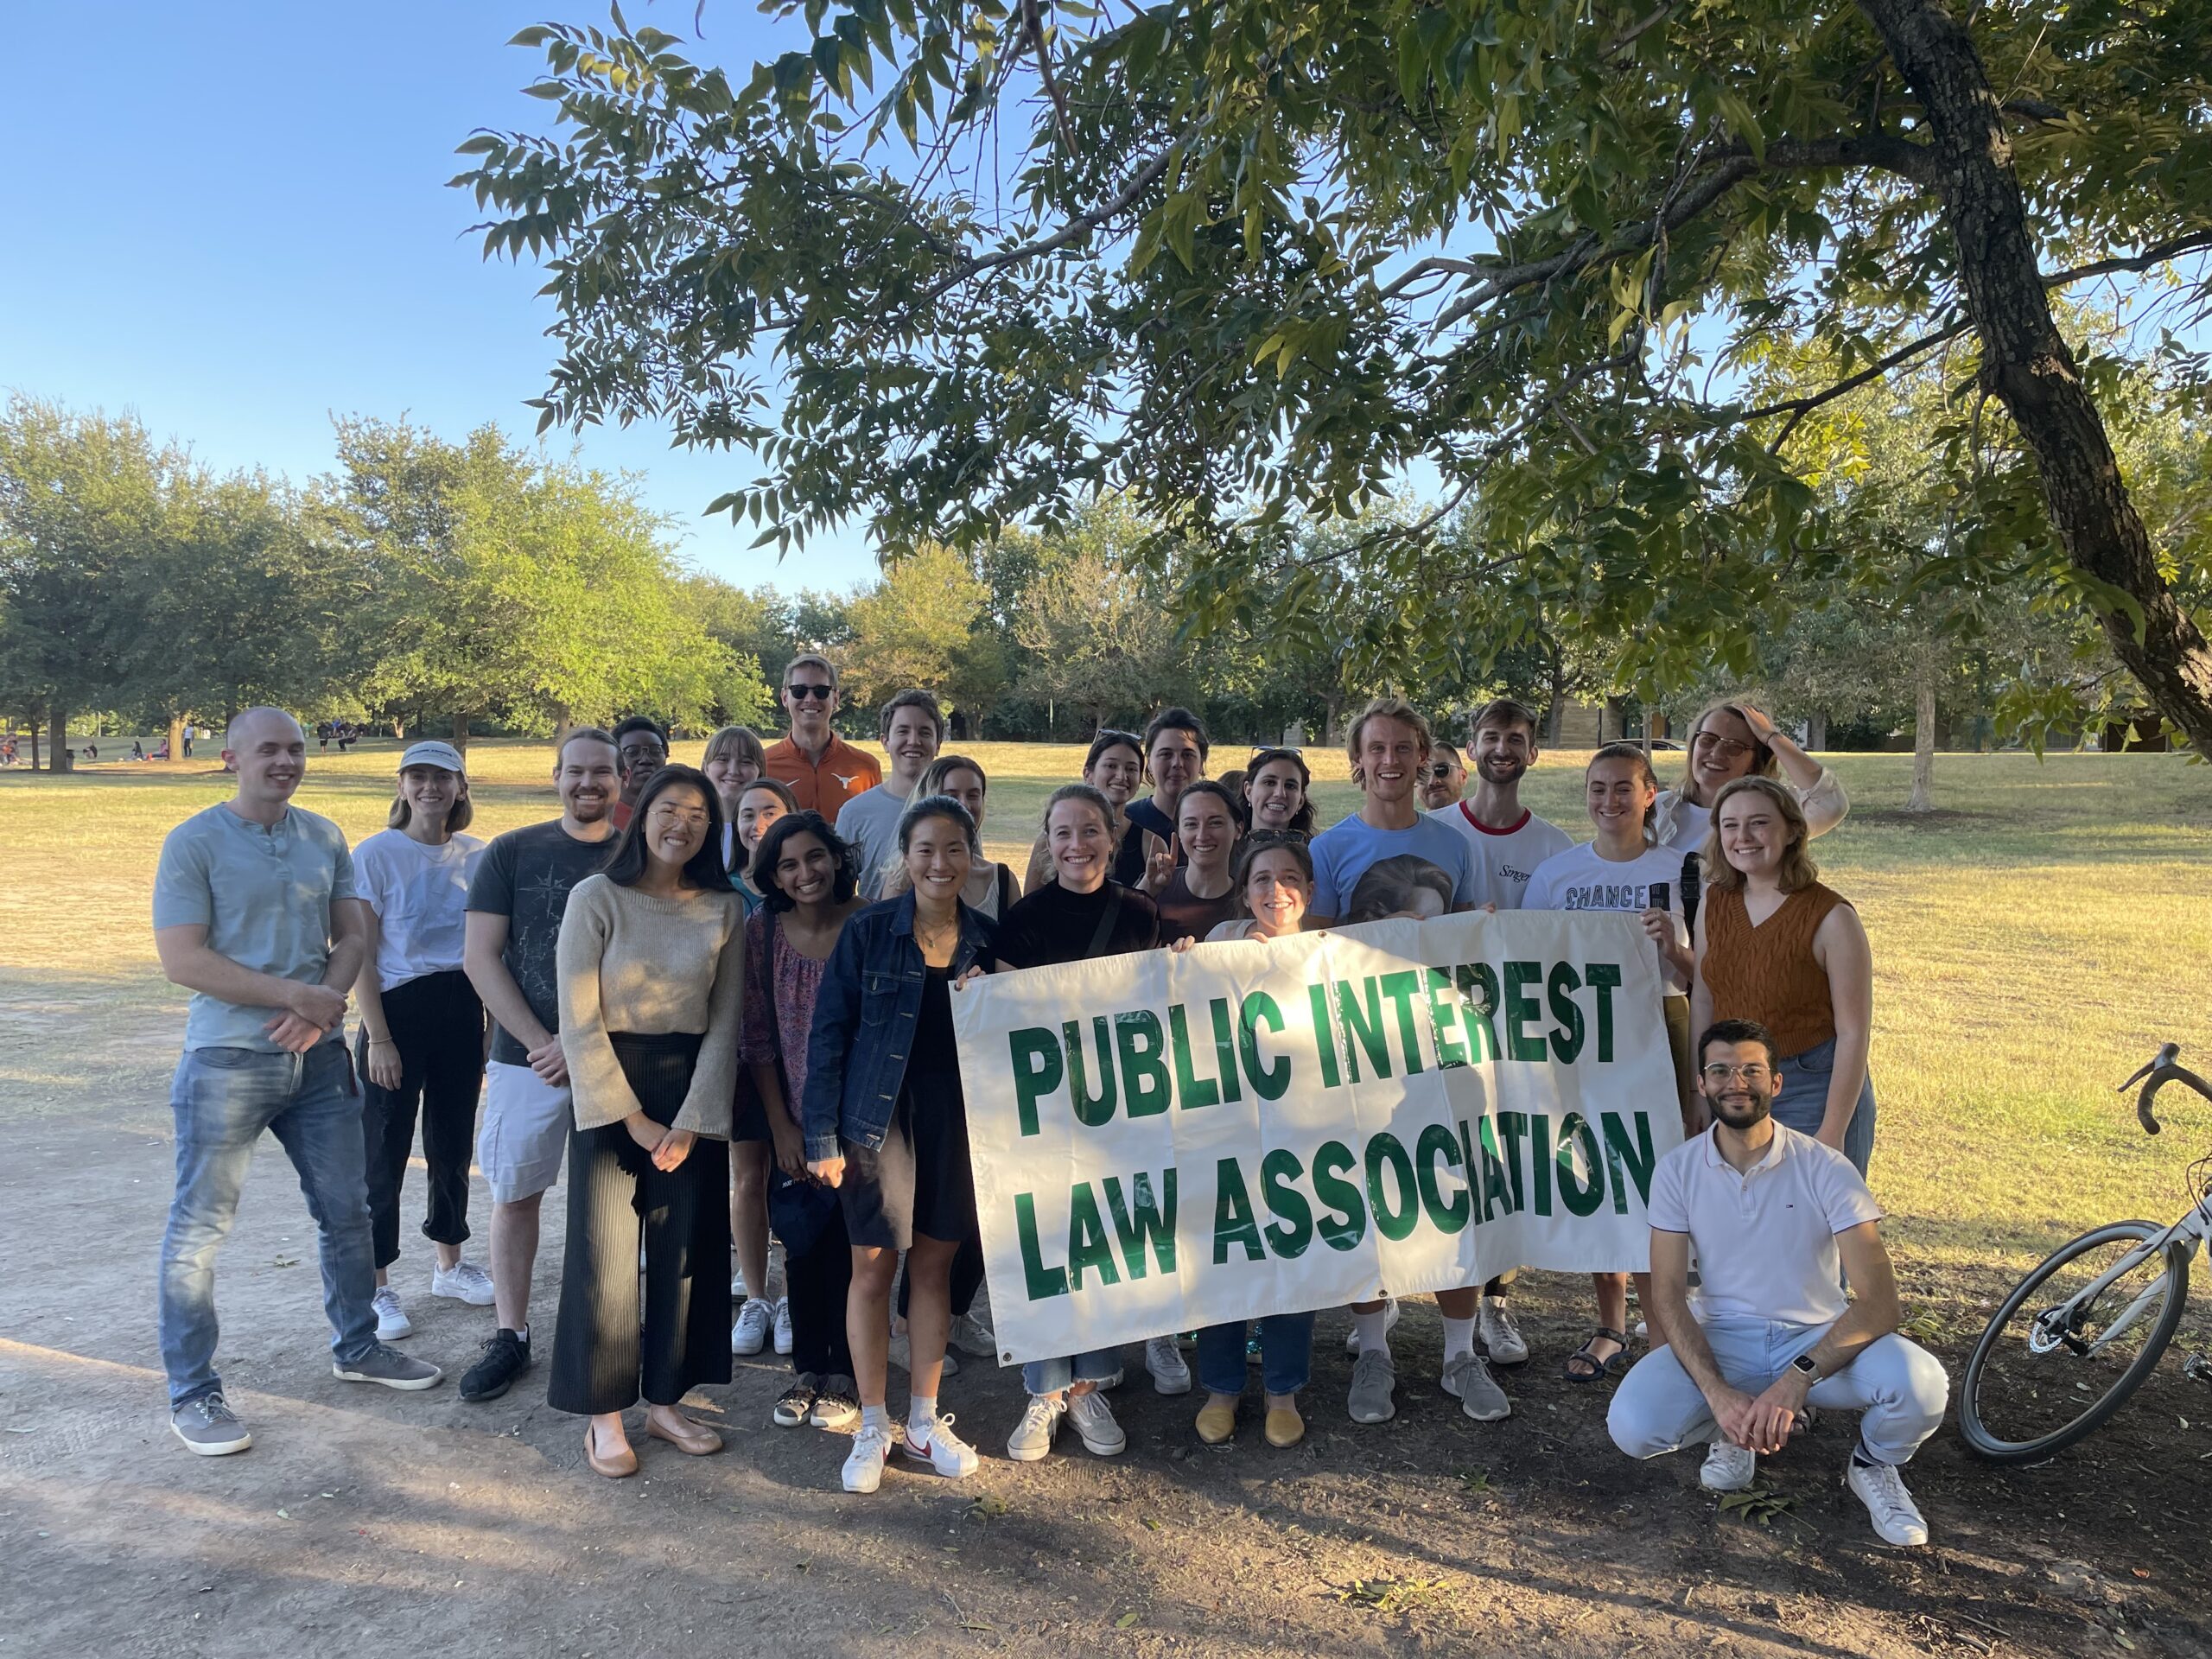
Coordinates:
(1804, 1362)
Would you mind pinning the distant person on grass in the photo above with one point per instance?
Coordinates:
(913, 732)
(422, 1036)
(255, 912)
(822, 771)
(516, 899)
(1776, 1221)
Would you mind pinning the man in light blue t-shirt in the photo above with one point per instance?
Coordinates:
(255, 913)
(912, 730)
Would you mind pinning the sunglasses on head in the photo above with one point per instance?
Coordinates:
(824, 692)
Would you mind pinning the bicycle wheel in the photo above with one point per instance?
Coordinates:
(2040, 1380)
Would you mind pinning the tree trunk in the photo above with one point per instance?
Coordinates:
(176, 737)
(34, 725)
(1557, 712)
(2027, 366)
(1816, 732)
(460, 731)
(1923, 799)
(60, 756)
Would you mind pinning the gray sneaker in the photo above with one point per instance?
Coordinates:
(387, 1365)
(1467, 1379)
(1373, 1379)
(210, 1427)
(971, 1336)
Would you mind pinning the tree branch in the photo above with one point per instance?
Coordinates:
(1798, 407)
(1080, 225)
(2156, 255)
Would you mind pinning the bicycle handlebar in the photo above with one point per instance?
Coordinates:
(2157, 1075)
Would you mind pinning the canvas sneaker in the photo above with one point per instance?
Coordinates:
(1094, 1419)
(864, 1463)
(796, 1404)
(1499, 1338)
(464, 1282)
(505, 1357)
(1728, 1467)
(944, 1451)
(1467, 1379)
(1391, 1314)
(393, 1322)
(210, 1427)
(1896, 1518)
(1170, 1372)
(784, 1325)
(1373, 1379)
(971, 1336)
(755, 1320)
(1034, 1435)
(836, 1404)
(390, 1367)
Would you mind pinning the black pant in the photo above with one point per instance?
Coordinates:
(818, 1285)
(438, 1024)
(967, 1277)
(616, 1197)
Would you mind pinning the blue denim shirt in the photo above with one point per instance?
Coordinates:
(864, 1019)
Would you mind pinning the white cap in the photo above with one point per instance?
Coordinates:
(432, 753)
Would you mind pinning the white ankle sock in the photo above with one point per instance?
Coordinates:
(1459, 1340)
(876, 1417)
(1374, 1330)
(921, 1415)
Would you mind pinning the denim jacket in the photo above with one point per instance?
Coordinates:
(864, 1019)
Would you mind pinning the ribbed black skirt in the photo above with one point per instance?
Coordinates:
(602, 1359)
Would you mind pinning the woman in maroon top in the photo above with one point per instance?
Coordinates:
(1200, 894)
(809, 886)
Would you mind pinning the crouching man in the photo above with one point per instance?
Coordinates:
(1778, 1224)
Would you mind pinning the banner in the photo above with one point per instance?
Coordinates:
(1164, 1141)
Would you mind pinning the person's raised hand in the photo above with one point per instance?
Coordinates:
(1159, 868)
(1761, 724)
(674, 1148)
(319, 1005)
(831, 1172)
(293, 1034)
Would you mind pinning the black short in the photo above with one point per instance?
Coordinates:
(748, 1113)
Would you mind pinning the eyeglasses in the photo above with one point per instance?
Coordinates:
(1727, 748)
(690, 817)
(1751, 1073)
(802, 692)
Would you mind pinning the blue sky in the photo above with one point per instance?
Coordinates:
(233, 219)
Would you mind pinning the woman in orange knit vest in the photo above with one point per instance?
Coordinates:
(1776, 946)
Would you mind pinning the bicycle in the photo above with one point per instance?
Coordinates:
(2064, 1352)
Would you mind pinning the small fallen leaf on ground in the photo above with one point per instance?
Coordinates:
(1125, 1621)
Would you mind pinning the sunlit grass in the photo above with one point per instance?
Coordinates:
(2032, 945)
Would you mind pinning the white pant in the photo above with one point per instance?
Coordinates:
(1900, 1387)
(523, 1132)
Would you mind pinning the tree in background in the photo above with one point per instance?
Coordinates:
(1253, 264)
(925, 623)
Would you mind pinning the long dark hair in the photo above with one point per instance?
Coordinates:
(843, 886)
(1300, 821)
(1269, 841)
(704, 869)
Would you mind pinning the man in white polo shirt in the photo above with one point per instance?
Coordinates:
(1776, 1220)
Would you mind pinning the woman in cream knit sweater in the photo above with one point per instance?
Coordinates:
(651, 971)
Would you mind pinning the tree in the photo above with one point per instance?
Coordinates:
(1252, 263)
(81, 502)
(924, 623)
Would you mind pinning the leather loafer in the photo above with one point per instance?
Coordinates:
(700, 1442)
(1285, 1426)
(1217, 1420)
(613, 1468)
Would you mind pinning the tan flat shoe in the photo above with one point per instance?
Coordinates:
(613, 1468)
(701, 1442)
(1217, 1420)
(1285, 1426)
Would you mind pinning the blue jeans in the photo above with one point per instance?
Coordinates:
(1803, 1103)
(1053, 1375)
(223, 1099)
(1285, 1355)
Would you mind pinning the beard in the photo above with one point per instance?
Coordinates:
(1500, 767)
(1741, 1111)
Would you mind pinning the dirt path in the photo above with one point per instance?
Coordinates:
(367, 1521)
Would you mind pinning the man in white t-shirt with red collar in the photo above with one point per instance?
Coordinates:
(1506, 840)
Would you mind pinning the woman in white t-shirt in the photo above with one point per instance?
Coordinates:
(422, 1033)
(1621, 870)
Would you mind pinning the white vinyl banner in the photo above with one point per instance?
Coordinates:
(1165, 1141)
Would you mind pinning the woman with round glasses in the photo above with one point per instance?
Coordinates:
(1729, 740)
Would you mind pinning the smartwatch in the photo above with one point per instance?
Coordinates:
(1804, 1362)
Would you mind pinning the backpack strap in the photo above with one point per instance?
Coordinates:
(1108, 914)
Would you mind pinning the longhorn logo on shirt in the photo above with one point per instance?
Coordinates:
(844, 782)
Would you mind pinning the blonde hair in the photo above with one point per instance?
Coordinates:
(1798, 871)
(1388, 709)
(456, 820)
(743, 738)
(1764, 763)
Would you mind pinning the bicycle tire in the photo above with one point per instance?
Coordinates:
(1984, 1441)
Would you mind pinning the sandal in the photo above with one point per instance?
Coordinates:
(1583, 1366)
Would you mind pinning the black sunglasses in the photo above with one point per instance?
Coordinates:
(824, 692)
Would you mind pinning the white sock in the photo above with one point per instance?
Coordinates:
(921, 1415)
(1374, 1330)
(875, 1417)
(1459, 1340)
